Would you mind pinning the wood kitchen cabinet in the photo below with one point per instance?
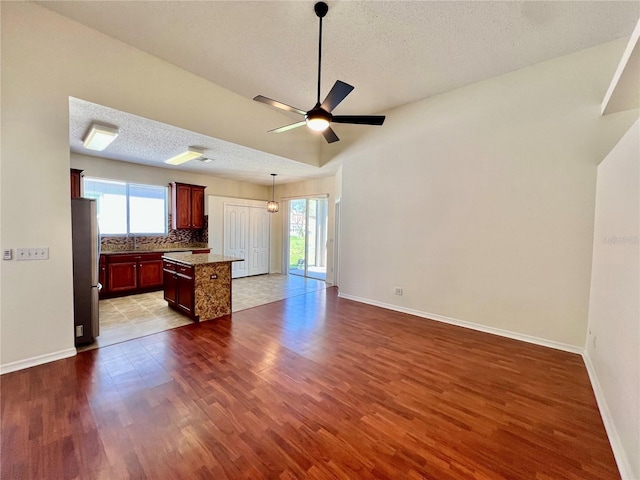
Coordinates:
(122, 276)
(102, 276)
(150, 273)
(179, 287)
(131, 273)
(170, 280)
(187, 204)
(76, 183)
(198, 284)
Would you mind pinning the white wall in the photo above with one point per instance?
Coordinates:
(613, 346)
(47, 58)
(480, 202)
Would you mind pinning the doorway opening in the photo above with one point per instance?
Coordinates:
(307, 245)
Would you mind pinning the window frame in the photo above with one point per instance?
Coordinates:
(128, 185)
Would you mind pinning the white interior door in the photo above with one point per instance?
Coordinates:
(236, 237)
(259, 241)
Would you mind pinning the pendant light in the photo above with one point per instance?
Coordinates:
(272, 205)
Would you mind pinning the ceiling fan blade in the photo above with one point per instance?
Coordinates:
(288, 127)
(329, 135)
(359, 119)
(338, 92)
(280, 105)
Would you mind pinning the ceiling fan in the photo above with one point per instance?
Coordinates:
(319, 117)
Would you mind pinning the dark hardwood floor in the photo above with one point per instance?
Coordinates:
(309, 387)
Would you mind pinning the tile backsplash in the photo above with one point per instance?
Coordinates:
(177, 238)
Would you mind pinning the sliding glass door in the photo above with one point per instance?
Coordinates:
(308, 237)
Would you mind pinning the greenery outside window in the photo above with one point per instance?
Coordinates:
(128, 208)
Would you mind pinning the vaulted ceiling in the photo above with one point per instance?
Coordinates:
(393, 52)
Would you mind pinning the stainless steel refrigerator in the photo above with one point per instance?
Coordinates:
(86, 253)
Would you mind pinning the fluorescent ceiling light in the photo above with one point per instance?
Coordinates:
(190, 154)
(99, 137)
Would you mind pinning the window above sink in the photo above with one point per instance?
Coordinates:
(129, 208)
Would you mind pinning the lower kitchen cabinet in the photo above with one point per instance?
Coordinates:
(150, 273)
(102, 275)
(170, 292)
(179, 287)
(127, 274)
(122, 276)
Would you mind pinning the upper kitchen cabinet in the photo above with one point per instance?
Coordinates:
(76, 183)
(187, 203)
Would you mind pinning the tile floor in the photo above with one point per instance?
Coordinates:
(135, 316)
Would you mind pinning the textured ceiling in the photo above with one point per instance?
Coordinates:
(148, 142)
(393, 52)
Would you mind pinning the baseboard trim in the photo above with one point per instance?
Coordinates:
(614, 439)
(473, 326)
(38, 360)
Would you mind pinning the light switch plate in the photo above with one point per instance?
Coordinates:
(40, 253)
(7, 254)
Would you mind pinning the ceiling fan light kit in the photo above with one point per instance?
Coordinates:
(99, 137)
(190, 154)
(319, 118)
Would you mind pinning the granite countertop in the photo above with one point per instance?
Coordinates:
(200, 258)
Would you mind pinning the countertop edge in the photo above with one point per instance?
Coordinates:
(196, 259)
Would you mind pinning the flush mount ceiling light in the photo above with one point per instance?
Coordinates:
(190, 154)
(99, 137)
(272, 205)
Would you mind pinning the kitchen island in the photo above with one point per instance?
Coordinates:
(198, 284)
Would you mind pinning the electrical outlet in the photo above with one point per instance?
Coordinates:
(398, 290)
(79, 330)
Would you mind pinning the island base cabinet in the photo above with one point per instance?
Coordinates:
(179, 287)
(184, 290)
(202, 291)
(212, 293)
(170, 293)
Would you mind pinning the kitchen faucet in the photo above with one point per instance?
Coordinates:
(135, 240)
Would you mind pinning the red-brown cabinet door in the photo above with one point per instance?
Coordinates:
(197, 207)
(184, 287)
(122, 276)
(149, 273)
(170, 291)
(182, 211)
